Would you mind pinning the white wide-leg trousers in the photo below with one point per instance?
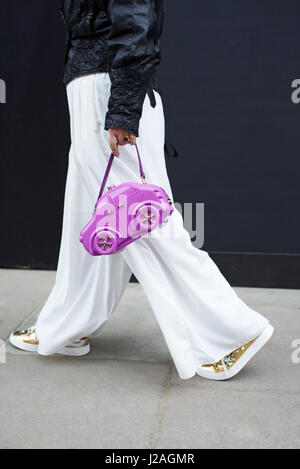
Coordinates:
(200, 315)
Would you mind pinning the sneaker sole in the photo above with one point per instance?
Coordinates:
(75, 351)
(242, 362)
(68, 351)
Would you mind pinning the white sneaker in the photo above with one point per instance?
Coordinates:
(233, 363)
(27, 340)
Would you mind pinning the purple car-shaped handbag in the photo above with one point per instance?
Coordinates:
(124, 214)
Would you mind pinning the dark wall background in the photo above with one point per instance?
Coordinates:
(226, 76)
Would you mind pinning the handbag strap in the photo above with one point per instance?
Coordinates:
(108, 169)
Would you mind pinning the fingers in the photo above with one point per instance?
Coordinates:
(113, 142)
(132, 138)
(120, 137)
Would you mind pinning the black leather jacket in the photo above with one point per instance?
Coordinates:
(120, 37)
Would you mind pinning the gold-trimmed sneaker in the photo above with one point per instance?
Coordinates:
(233, 363)
(27, 340)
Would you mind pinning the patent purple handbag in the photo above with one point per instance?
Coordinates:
(124, 214)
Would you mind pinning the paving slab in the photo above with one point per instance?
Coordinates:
(127, 393)
(67, 404)
(221, 418)
(270, 297)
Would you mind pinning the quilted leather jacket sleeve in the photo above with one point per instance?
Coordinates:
(133, 53)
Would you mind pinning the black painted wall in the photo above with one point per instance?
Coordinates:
(226, 76)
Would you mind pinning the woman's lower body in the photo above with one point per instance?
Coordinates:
(200, 315)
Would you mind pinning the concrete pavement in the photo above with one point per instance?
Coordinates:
(127, 394)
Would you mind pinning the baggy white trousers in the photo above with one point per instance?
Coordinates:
(200, 315)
